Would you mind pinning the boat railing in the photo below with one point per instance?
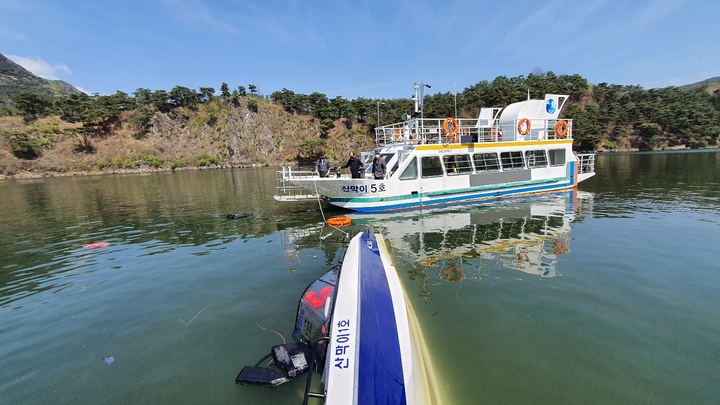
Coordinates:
(434, 131)
(586, 163)
(285, 190)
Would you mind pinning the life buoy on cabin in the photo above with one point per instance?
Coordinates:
(523, 127)
(455, 128)
(398, 135)
(561, 129)
(339, 221)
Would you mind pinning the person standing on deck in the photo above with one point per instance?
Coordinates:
(322, 166)
(379, 166)
(356, 166)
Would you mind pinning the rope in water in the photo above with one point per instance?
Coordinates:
(323, 216)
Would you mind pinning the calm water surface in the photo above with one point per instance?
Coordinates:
(606, 295)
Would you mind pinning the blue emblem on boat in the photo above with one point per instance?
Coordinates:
(550, 106)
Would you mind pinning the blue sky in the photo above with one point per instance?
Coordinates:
(360, 48)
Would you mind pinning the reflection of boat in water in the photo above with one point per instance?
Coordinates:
(354, 327)
(523, 148)
(527, 235)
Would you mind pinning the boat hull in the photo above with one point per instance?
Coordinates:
(435, 199)
(366, 195)
(376, 352)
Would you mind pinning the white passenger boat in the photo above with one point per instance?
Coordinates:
(520, 149)
(356, 328)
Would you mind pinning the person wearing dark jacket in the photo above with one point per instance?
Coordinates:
(322, 166)
(379, 167)
(356, 166)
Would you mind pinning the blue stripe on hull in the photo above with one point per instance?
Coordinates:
(380, 374)
(465, 197)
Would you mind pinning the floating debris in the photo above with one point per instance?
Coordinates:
(237, 216)
(97, 245)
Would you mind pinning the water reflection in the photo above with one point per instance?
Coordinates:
(527, 236)
(656, 182)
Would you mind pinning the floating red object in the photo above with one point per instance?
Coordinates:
(97, 245)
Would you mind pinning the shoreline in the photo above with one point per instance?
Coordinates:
(29, 175)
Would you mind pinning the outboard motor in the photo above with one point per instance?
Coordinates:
(311, 330)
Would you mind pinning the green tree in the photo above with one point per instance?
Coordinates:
(82, 136)
(161, 101)
(319, 104)
(143, 97)
(325, 126)
(439, 105)
(224, 91)
(26, 144)
(106, 111)
(140, 120)
(74, 108)
(363, 107)
(184, 97)
(32, 105)
(649, 130)
(206, 93)
(286, 98)
(338, 107)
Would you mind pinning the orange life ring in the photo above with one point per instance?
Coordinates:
(448, 121)
(559, 247)
(561, 129)
(398, 135)
(524, 123)
(339, 221)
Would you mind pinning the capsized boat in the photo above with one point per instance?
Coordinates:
(522, 148)
(356, 328)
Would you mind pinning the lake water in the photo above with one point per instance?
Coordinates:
(610, 294)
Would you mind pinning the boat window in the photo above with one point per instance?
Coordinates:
(557, 157)
(512, 160)
(485, 162)
(431, 166)
(410, 172)
(457, 164)
(536, 158)
(391, 170)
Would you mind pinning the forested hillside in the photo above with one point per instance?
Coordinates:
(154, 130)
(14, 79)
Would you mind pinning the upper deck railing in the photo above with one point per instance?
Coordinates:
(428, 131)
